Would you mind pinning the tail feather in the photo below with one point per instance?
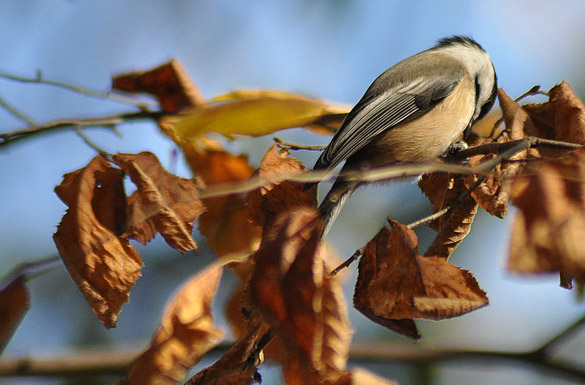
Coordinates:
(334, 200)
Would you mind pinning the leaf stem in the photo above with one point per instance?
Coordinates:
(293, 146)
(91, 143)
(347, 262)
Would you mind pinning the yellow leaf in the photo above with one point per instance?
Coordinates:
(252, 113)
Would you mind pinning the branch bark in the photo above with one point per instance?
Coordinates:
(108, 362)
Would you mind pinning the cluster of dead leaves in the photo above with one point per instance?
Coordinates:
(289, 308)
(93, 236)
(545, 183)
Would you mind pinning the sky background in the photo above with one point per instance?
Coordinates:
(325, 49)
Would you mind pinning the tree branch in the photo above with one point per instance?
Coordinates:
(78, 89)
(31, 269)
(7, 138)
(108, 362)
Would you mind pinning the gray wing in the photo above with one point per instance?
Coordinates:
(378, 112)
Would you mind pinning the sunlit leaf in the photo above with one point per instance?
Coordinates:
(186, 333)
(561, 118)
(298, 299)
(252, 113)
(238, 365)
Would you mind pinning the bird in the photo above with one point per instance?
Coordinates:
(414, 112)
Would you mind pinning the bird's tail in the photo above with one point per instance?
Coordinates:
(334, 200)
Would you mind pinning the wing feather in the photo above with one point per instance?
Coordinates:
(378, 112)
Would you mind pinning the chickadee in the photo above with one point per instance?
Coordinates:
(411, 113)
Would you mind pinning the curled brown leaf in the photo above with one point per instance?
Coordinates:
(561, 118)
(549, 229)
(238, 365)
(444, 190)
(396, 283)
(291, 289)
(102, 264)
(225, 224)
(270, 200)
(169, 83)
(162, 202)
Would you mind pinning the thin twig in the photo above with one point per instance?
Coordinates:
(533, 91)
(31, 270)
(505, 150)
(91, 143)
(254, 357)
(347, 262)
(293, 146)
(78, 89)
(10, 137)
(449, 210)
(561, 337)
(431, 218)
(18, 114)
(391, 172)
(498, 148)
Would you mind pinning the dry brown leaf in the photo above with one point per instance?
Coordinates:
(162, 202)
(186, 333)
(361, 298)
(238, 365)
(293, 292)
(396, 283)
(435, 186)
(225, 224)
(102, 264)
(518, 126)
(561, 118)
(486, 125)
(443, 190)
(169, 83)
(14, 303)
(237, 305)
(272, 199)
(487, 194)
(549, 229)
